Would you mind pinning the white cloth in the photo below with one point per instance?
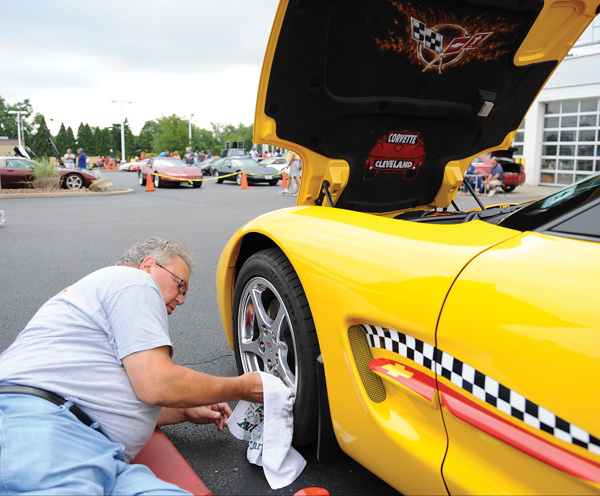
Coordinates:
(269, 428)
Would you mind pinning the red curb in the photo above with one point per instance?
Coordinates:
(165, 461)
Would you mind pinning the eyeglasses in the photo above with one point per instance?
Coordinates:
(181, 285)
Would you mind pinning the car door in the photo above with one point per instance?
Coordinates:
(519, 338)
(16, 173)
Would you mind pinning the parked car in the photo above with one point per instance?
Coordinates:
(206, 166)
(231, 169)
(164, 170)
(135, 166)
(17, 172)
(132, 166)
(448, 351)
(278, 163)
(514, 172)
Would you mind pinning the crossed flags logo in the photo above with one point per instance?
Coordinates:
(434, 41)
(430, 39)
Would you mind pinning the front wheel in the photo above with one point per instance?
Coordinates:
(73, 181)
(274, 332)
(141, 179)
(238, 179)
(197, 184)
(216, 174)
(156, 181)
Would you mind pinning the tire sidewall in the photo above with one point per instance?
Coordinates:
(262, 264)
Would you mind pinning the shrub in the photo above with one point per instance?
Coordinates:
(46, 175)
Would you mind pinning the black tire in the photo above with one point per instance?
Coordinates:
(73, 181)
(197, 184)
(216, 174)
(141, 179)
(274, 182)
(156, 181)
(510, 188)
(238, 178)
(268, 280)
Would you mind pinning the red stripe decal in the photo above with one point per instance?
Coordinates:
(519, 438)
(412, 379)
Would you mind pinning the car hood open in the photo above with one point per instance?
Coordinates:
(387, 101)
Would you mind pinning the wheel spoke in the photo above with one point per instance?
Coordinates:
(265, 331)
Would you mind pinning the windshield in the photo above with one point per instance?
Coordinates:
(241, 162)
(169, 162)
(540, 212)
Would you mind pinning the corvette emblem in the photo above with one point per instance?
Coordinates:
(443, 44)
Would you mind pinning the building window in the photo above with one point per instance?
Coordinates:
(571, 141)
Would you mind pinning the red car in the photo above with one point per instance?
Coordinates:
(514, 173)
(169, 171)
(17, 172)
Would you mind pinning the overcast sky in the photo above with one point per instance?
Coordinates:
(72, 57)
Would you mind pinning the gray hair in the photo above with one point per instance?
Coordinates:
(162, 250)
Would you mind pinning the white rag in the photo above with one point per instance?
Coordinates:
(269, 428)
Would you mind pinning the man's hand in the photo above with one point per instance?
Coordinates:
(212, 414)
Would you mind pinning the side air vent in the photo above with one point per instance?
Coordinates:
(362, 357)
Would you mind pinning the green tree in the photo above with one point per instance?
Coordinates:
(8, 122)
(85, 139)
(171, 134)
(62, 141)
(203, 139)
(39, 145)
(145, 141)
(104, 142)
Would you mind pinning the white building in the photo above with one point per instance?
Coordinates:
(560, 136)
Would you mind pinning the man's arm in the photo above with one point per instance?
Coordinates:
(156, 380)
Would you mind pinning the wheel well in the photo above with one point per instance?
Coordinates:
(251, 244)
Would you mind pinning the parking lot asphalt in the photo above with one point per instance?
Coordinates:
(49, 243)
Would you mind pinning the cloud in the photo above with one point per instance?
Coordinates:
(71, 58)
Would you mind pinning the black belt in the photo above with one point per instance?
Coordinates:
(53, 398)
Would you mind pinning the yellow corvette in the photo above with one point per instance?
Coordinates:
(448, 352)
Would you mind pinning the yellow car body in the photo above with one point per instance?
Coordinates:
(458, 357)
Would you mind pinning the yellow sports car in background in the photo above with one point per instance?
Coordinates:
(448, 352)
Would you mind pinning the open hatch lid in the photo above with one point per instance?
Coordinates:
(397, 90)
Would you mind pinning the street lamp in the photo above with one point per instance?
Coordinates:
(122, 128)
(18, 114)
(191, 117)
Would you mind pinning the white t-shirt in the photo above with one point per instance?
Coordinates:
(74, 344)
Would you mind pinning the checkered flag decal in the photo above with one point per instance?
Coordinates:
(421, 33)
(481, 386)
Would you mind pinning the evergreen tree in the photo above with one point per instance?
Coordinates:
(103, 140)
(62, 141)
(85, 138)
(71, 140)
(39, 145)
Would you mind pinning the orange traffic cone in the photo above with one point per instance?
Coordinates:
(244, 184)
(150, 183)
(284, 183)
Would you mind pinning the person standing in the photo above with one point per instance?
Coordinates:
(81, 159)
(69, 159)
(84, 385)
(189, 156)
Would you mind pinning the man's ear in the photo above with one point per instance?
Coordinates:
(147, 264)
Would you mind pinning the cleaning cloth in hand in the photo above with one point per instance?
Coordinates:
(269, 429)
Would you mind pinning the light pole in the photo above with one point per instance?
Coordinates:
(122, 129)
(18, 114)
(191, 117)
